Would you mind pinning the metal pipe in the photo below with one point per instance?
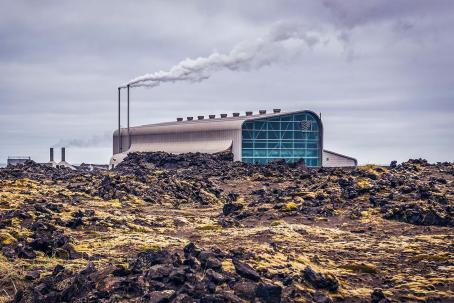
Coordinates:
(129, 136)
(119, 130)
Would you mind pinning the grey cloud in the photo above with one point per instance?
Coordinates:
(61, 61)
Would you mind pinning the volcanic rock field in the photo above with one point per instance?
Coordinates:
(202, 228)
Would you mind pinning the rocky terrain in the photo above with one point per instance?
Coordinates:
(201, 228)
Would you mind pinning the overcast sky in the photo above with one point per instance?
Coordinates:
(382, 75)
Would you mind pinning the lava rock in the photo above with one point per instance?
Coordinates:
(245, 270)
(320, 280)
(269, 293)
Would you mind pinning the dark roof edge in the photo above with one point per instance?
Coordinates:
(240, 118)
(341, 155)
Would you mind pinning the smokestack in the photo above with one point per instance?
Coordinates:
(223, 115)
(189, 118)
(212, 116)
(262, 111)
(236, 114)
(179, 119)
(248, 113)
(63, 162)
(276, 110)
(51, 154)
(200, 117)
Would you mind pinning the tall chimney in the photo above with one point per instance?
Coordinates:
(189, 118)
(63, 154)
(223, 115)
(248, 113)
(236, 114)
(276, 110)
(200, 117)
(51, 155)
(262, 111)
(212, 116)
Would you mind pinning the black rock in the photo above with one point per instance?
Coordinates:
(191, 250)
(162, 296)
(269, 293)
(209, 260)
(378, 296)
(147, 259)
(245, 290)
(231, 207)
(89, 269)
(32, 275)
(245, 270)
(216, 277)
(320, 280)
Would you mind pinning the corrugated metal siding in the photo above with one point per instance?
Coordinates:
(205, 141)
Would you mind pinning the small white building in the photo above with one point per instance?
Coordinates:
(14, 160)
(332, 159)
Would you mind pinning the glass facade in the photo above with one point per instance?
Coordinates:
(291, 137)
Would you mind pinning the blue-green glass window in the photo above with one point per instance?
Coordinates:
(273, 134)
(260, 144)
(247, 152)
(247, 134)
(287, 135)
(248, 125)
(290, 137)
(248, 143)
(260, 134)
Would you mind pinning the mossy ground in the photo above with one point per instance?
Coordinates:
(365, 251)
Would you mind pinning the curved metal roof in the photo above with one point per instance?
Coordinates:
(228, 123)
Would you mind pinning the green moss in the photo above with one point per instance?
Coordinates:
(208, 227)
(277, 223)
(290, 206)
(361, 267)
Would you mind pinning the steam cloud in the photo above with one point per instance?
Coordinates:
(283, 41)
(94, 141)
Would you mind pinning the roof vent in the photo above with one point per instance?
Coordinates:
(248, 113)
(179, 119)
(223, 115)
(276, 110)
(212, 116)
(262, 111)
(189, 118)
(200, 117)
(236, 114)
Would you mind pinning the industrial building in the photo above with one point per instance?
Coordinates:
(14, 160)
(252, 138)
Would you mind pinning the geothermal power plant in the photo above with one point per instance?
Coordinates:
(256, 138)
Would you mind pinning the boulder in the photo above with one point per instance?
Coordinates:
(245, 270)
(320, 280)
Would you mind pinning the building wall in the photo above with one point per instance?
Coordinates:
(331, 159)
(204, 141)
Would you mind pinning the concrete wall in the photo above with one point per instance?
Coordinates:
(332, 159)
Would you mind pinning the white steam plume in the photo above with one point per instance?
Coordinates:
(93, 141)
(283, 41)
